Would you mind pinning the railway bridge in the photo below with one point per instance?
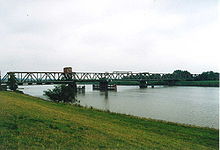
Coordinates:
(70, 77)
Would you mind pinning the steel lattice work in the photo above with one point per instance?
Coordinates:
(61, 77)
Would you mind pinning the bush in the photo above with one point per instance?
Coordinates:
(209, 75)
(62, 93)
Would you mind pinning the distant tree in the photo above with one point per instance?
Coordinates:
(209, 75)
(62, 93)
(12, 82)
(182, 75)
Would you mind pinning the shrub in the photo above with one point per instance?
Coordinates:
(62, 93)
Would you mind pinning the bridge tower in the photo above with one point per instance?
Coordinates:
(68, 75)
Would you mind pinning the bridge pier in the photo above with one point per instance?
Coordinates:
(81, 89)
(103, 85)
(110, 87)
(142, 84)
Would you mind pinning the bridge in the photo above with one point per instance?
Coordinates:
(69, 77)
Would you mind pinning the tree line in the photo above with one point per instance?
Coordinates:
(186, 75)
(178, 75)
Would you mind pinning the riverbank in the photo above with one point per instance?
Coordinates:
(29, 122)
(211, 83)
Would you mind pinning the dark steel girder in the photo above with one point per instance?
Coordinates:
(60, 77)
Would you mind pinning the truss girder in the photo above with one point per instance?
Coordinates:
(53, 77)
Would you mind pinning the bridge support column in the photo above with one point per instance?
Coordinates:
(103, 85)
(143, 84)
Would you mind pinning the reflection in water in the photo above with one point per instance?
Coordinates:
(105, 94)
(189, 105)
(106, 101)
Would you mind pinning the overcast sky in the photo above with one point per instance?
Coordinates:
(108, 35)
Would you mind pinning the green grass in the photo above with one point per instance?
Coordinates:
(30, 123)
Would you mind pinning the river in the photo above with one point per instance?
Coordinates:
(189, 105)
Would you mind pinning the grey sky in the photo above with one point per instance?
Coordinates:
(108, 35)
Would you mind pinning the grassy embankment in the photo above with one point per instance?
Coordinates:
(29, 122)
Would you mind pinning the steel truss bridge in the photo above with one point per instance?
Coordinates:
(61, 77)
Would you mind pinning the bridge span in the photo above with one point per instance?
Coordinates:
(69, 77)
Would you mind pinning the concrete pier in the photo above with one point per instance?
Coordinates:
(104, 86)
(81, 89)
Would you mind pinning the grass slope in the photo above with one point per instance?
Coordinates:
(30, 123)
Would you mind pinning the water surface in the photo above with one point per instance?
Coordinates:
(189, 105)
